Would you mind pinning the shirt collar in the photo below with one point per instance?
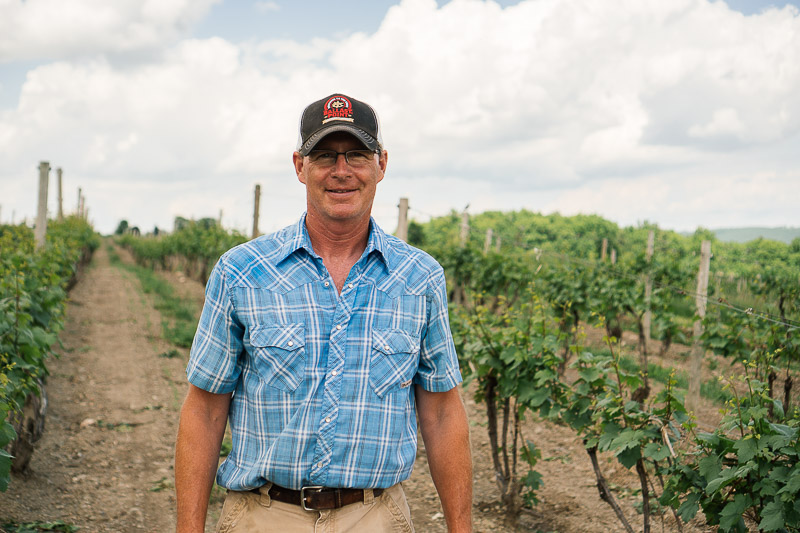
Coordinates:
(298, 239)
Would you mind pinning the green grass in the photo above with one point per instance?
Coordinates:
(710, 389)
(655, 372)
(713, 390)
(179, 316)
(227, 445)
(36, 527)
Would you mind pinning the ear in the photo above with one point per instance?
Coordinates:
(383, 160)
(297, 159)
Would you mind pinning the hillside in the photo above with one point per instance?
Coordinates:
(782, 234)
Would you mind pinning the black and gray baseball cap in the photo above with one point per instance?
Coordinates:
(338, 112)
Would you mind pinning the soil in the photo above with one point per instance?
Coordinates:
(105, 462)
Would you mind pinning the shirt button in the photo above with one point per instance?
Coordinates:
(334, 373)
(320, 464)
(385, 347)
(350, 285)
(327, 283)
(291, 343)
(338, 326)
(327, 419)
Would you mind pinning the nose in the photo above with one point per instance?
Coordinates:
(341, 163)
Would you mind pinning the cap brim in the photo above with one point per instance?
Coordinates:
(366, 139)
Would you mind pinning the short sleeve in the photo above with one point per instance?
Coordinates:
(214, 359)
(438, 366)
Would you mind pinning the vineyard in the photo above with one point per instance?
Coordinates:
(520, 331)
(521, 311)
(33, 294)
(540, 308)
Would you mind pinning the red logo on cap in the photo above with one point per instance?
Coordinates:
(337, 108)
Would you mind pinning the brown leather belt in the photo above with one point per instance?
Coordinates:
(318, 498)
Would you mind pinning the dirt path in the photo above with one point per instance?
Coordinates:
(105, 461)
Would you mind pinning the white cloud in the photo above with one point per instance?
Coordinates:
(619, 108)
(266, 6)
(55, 29)
(724, 122)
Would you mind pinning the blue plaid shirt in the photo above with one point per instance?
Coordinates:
(321, 381)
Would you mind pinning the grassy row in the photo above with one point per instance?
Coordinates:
(710, 389)
(178, 315)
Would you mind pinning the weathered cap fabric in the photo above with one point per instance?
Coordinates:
(338, 112)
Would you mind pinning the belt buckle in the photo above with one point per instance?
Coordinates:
(303, 490)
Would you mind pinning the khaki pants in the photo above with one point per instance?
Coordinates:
(249, 512)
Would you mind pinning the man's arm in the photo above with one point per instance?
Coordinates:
(202, 425)
(445, 431)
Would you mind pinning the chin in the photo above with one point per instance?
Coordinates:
(344, 214)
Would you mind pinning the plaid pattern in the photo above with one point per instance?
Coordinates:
(321, 382)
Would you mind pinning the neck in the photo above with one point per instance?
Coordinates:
(338, 240)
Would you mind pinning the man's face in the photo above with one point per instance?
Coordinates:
(339, 193)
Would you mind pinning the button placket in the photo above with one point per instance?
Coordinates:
(332, 389)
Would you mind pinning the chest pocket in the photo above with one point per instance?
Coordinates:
(393, 361)
(279, 354)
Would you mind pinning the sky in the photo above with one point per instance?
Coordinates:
(683, 113)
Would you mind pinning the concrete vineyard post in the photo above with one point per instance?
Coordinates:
(60, 196)
(613, 256)
(696, 369)
(487, 244)
(41, 213)
(78, 205)
(402, 220)
(256, 203)
(219, 219)
(648, 288)
(604, 250)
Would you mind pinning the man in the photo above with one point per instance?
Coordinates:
(321, 343)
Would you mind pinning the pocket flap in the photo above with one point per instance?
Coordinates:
(286, 336)
(391, 341)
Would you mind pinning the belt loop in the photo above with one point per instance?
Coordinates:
(369, 497)
(264, 499)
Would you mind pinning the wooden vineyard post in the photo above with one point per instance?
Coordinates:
(78, 205)
(487, 244)
(648, 290)
(256, 203)
(41, 212)
(604, 250)
(696, 368)
(402, 220)
(459, 297)
(464, 228)
(60, 212)
(82, 207)
(613, 256)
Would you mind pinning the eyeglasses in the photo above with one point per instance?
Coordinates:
(354, 158)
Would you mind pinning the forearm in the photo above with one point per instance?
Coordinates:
(196, 457)
(446, 438)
